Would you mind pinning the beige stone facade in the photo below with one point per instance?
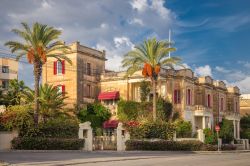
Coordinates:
(8, 71)
(245, 104)
(200, 100)
(80, 80)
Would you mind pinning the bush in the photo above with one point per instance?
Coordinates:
(18, 117)
(164, 145)
(96, 113)
(61, 127)
(226, 131)
(210, 136)
(183, 129)
(245, 126)
(38, 143)
(128, 110)
(164, 109)
(161, 130)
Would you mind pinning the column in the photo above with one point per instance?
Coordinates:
(203, 122)
(235, 136)
(238, 129)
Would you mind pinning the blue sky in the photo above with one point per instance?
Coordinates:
(211, 36)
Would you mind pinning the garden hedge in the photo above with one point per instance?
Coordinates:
(164, 145)
(29, 143)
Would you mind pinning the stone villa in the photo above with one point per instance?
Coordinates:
(200, 100)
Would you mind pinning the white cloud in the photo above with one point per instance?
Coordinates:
(136, 21)
(203, 71)
(139, 5)
(244, 84)
(119, 41)
(158, 5)
(221, 69)
(246, 64)
(45, 4)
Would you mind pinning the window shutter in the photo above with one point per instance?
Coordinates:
(55, 67)
(63, 89)
(63, 66)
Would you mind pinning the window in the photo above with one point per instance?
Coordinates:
(5, 69)
(208, 100)
(221, 104)
(5, 84)
(88, 69)
(59, 67)
(177, 96)
(61, 89)
(189, 95)
(88, 90)
(236, 106)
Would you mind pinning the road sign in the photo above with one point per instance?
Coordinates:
(217, 128)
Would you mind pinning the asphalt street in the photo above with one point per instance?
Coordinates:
(103, 158)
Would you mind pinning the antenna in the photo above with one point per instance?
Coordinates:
(169, 39)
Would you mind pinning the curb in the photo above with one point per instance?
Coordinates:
(128, 152)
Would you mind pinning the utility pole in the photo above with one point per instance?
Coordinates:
(169, 39)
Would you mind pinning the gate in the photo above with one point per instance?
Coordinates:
(107, 142)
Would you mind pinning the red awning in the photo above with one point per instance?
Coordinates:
(110, 124)
(109, 95)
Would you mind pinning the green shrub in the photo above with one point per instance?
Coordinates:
(144, 90)
(128, 110)
(38, 143)
(60, 127)
(161, 130)
(245, 126)
(226, 131)
(183, 129)
(95, 113)
(164, 145)
(18, 117)
(210, 136)
(164, 109)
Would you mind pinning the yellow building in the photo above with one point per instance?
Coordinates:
(79, 80)
(202, 101)
(245, 104)
(8, 71)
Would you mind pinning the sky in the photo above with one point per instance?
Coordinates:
(211, 36)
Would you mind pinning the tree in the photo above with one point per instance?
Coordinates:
(95, 113)
(226, 131)
(39, 43)
(245, 126)
(150, 57)
(144, 90)
(15, 91)
(51, 101)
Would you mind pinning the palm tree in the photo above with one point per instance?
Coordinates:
(150, 57)
(38, 44)
(51, 101)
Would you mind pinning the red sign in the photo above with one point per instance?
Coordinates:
(217, 128)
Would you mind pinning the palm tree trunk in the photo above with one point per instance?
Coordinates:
(154, 100)
(37, 74)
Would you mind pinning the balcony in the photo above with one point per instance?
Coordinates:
(232, 115)
(200, 110)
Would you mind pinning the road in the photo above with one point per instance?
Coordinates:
(125, 158)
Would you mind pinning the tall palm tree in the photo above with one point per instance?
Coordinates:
(39, 43)
(150, 57)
